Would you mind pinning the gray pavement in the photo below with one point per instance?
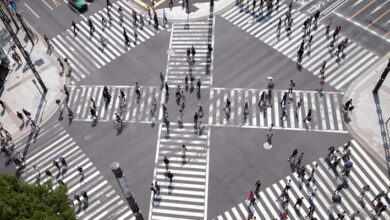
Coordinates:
(226, 157)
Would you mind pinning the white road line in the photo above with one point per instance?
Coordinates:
(46, 5)
(31, 10)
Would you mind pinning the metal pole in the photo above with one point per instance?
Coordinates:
(382, 79)
(25, 28)
(22, 50)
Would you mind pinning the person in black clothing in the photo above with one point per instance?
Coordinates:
(75, 28)
(293, 154)
(170, 176)
(257, 184)
(198, 84)
(166, 162)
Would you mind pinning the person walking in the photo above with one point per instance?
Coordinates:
(93, 112)
(84, 194)
(166, 162)
(157, 187)
(162, 78)
(291, 86)
(257, 189)
(308, 116)
(127, 41)
(308, 45)
(227, 105)
(170, 176)
(154, 190)
(81, 171)
(184, 150)
(137, 91)
(354, 215)
(284, 98)
(75, 28)
(77, 197)
(49, 174)
(120, 12)
(63, 162)
(180, 116)
(2, 104)
(316, 16)
(198, 84)
(293, 155)
(37, 169)
(55, 163)
(279, 26)
(166, 88)
(193, 52)
(298, 203)
(339, 188)
(91, 27)
(299, 104)
(298, 164)
(183, 98)
(20, 116)
(284, 114)
(26, 113)
(379, 195)
(167, 123)
(311, 211)
(196, 117)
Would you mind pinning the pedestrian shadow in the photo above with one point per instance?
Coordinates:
(166, 97)
(183, 160)
(346, 117)
(198, 94)
(192, 88)
(292, 165)
(384, 132)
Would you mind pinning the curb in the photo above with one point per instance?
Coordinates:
(350, 128)
(51, 111)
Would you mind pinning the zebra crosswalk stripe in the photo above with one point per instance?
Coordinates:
(86, 54)
(52, 142)
(262, 27)
(325, 181)
(326, 115)
(132, 110)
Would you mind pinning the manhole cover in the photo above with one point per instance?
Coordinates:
(267, 146)
(171, 52)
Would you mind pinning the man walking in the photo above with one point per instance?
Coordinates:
(170, 176)
(198, 84)
(127, 41)
(298, 202)
(257, 184)
(91, 27)
(63, 162)
(227, 105)
(75, 28)
(55, 163)
(293, 155)
(166, 162)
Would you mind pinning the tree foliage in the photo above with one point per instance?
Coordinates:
(20, 200)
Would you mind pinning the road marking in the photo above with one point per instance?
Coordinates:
(31, 10)
(358, 24)
(47, 5)
(358, 12)
(56, 3)
(378, 18)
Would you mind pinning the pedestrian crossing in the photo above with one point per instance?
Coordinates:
(186, 196)
(184, 35)
(103, 201)
(339, 72)
(326, 179)
(134, 109)
(325, 109)
(86, 54)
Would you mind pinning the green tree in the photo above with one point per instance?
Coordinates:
(20, 200)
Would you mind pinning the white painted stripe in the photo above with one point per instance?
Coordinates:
(177, 212)
(236, 214)
(254, 110)
(217, 107)
(314, 111)
(322, 111)
(276, 109)
(330, 113)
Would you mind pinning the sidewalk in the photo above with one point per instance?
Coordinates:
(22, 90)
(178, 13)
(368, 120)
